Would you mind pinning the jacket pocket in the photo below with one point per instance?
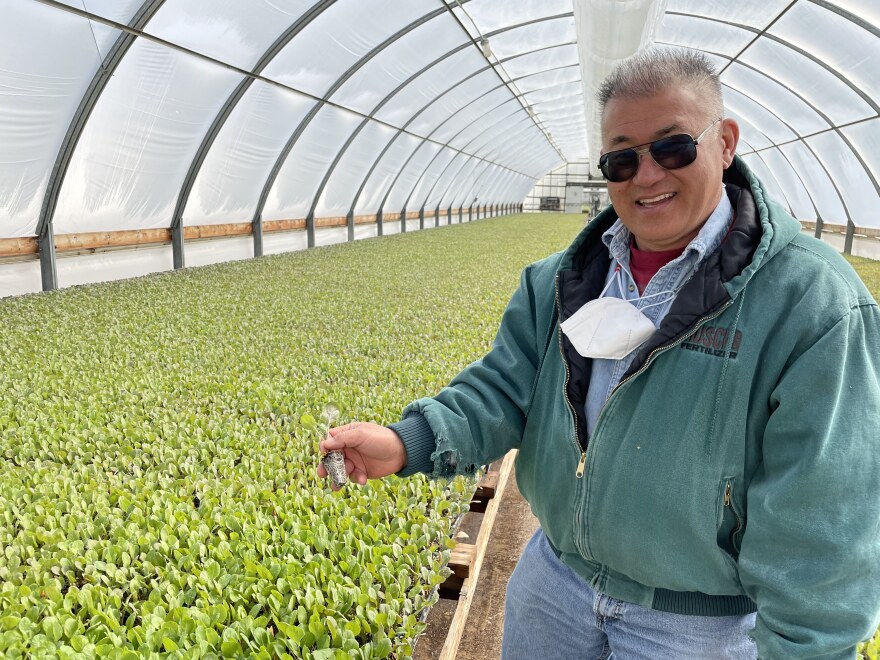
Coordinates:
(731, 522)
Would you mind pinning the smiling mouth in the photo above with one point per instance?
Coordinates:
(654, 201)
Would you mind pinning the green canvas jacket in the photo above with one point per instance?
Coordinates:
(736, 467)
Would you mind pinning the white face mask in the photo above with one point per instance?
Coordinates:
(610, 328)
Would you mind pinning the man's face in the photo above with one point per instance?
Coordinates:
(664, 209)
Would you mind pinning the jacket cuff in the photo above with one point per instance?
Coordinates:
(418, 440)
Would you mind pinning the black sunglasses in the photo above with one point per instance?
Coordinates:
(670, 153)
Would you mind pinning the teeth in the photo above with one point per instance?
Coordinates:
(658, 198)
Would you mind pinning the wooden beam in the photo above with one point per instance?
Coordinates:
(217, 231)
(487, 486)
(270, 226)
(27, 246)
(456, 628)
(462, 558)
(19, 247)
(109, 239)
(841, 229)
(484, 492)
(333, 221)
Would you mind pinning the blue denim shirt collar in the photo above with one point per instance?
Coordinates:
(617, 238)
(605, 374)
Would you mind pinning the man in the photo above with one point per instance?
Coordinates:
(693, 389)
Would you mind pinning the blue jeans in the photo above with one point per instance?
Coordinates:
(551, 612)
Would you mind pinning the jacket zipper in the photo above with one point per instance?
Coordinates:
(728, 492)
(578, 444)
(660, 349)
(641, 370)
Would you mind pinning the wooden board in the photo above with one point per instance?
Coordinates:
(459, 620)
(462, 558)
(487, 486)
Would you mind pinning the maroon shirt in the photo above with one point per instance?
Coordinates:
(643, 264)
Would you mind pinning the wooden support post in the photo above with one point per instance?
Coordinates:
(487, 486)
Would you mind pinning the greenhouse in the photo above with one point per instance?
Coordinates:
(229, 227)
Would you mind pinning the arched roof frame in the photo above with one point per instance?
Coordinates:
(133, 30)
(473, 189)
(427, 138)
(464, 195)
(508, 28)
(474, 100)
(329, 173)
(147, 10)
(80, 118)
(794, 170)
(454, 187)
(800, 138)
(490, 110)
(848, 15)
(443, 171)
(487, 112)
(335, 87)
(226, 110)
(304, 123)
(849, 83)
(451, 139)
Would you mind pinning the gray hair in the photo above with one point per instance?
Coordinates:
(650, 72)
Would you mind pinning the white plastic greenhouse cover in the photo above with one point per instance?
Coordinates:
(352, 118)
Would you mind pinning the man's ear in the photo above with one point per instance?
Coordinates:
(729, 139)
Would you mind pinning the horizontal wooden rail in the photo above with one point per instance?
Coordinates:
(841, 229)
(128, 238)
(27, 246)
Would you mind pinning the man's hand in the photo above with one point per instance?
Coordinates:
(371, 451)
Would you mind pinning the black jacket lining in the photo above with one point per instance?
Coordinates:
(703, 294)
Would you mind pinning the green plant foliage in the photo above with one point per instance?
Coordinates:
(869, 271)
(870, 650)
(159, 440)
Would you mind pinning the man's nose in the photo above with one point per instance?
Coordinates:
(648, 172)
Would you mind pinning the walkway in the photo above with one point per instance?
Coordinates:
(481, 640)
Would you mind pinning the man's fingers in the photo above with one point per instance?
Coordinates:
(322, 471)
(342, 437)
(329, 443)
(336, 430)
(358, 476)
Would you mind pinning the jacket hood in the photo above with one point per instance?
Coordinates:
(777, 227)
